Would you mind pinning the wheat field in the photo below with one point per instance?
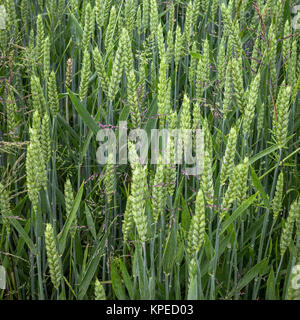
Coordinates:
(75, 227)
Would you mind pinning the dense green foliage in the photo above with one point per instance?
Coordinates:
(71, 228)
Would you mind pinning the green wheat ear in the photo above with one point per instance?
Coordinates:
(229, 156)
(5, 210)
(46, 54)
(85, 75)
(74, 7)
(38, 99)
(170, 170)
(3, 39)
(128, 60)
(69, 201)
(242, 186)
(139, 209)
(110, 31)
(206, 61)
(238, 186)
(197, 119)
(117, 68)
(221, 65)
(32, 185)
(128, 219)
(185, 126)
(52, 256)
(170, 46)
(185, 117)
(215, 5)
(53, 101)
(99, 12)
(146, 14)
(231, 192)
(271, 56)
(107, 9)
(250, 107)
(133, 100)
(197, 226)
(298, 226)
(60, 8)
(255, 58)
(130, 12)
(188, 28)
(231, 28)
(227, 90)
(277, 200)
(139, 20)
(100, 68)
(196, 10)
(99, 291)
(200, 77)
(154, 20)
(132, 155)
(139, 178)
(193, 65)
(286, 44)
(238, 83)
(162, 91)
(45, 138)
(11, 16)
(281, 118)
(178, 48)
(294, 293)
(287, 232)
(36, 173)
(40, 38)
(11, 109)
(160, 41)
(89, 27)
